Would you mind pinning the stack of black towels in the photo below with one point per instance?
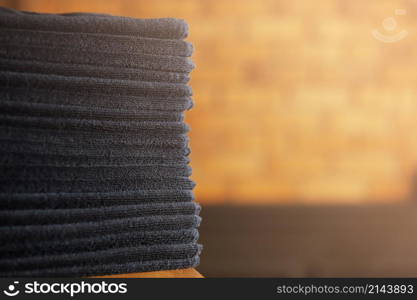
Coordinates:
(93, 145)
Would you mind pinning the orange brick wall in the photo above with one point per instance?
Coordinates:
(295, 100)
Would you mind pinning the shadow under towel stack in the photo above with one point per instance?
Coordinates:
(93, 145)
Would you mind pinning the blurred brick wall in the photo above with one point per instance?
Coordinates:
(295, 100)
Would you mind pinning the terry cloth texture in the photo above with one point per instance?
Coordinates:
(94, 167)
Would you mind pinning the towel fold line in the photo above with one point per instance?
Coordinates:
(90, 229)
(100, 242)
(80, 70)
(170, 28)
(108, 269)
(96, 42)
(62, 216)
(99, 100)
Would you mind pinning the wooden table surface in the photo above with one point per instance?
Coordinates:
(183, 273)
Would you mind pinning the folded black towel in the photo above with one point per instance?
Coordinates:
(90, 85)
(96, 58)
(96, 100)
(42, 67)
(107, 241)
(74, 111)
(168, 28)
(94, 174)
(107, 268)
(113, 255)
(96, 43)
(37, 233)
(74, 214)
(87, 200)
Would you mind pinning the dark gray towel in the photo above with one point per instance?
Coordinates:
(31, 66)
(87, 200)
(73, 111)
(107, 241)
(108, 268)
(91, 85)
(168, 28)
(37, 233)
(94, 174)
(121, 60)
(96, 100)
(35, 159)
(101, 43)
(113, 255)
(74, 214)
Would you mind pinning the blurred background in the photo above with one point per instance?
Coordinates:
(304, 143)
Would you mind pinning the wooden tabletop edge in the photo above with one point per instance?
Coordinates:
(182, 273)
